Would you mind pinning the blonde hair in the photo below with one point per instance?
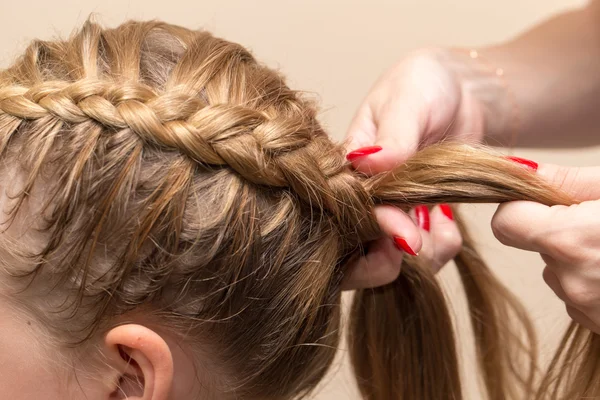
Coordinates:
(183, 178)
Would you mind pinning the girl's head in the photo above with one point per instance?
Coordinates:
(176, 222)
(176, 225)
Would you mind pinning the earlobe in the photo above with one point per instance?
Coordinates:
(144, 363)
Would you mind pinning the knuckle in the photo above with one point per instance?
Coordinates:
(566, 178)
(388, 272)
(549, 277)
(579, 293)
(573, 313)
(562, 240)
(579, 317)
(453, 241)
(448, 245)
(561, 176)
(502, 227)
(384, 268)
(562, 246)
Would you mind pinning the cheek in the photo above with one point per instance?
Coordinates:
(24, 372)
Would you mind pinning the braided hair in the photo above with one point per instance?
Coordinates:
(181, 177)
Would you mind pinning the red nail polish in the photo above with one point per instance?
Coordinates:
(422, 213)
(447, 211)
(523, 161)
(363, 151)
(402, 245)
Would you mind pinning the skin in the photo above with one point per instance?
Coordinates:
(27, 371)
(23, 372)
(567, 238)
(551, 86)
(139, 361)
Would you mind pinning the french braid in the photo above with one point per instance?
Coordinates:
(230, 214)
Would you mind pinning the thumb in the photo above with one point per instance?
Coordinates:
(582, 183)
(395, 128)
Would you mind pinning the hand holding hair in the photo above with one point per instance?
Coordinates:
(499, 95)
(567, 238)
(420, 101)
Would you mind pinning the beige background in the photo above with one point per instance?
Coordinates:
(337, 49)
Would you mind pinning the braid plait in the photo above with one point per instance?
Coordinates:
(274, 148)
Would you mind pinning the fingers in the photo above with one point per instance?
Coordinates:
(554, 283)
(525, 225)
(568, 234)
(581, 183)
(445, 237)
(400, 227)
(394, 128)
(582, 319)
(398, 132)
(362, 131)
(443, 241)
(381, 265)
(581, 301)
(438, 235)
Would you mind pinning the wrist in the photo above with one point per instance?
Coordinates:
(486, 94)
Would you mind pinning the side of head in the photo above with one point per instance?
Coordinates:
(176, 221)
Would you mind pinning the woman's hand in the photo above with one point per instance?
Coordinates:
(436, 94)
(438, 233)
(567, 238)
(430, 96)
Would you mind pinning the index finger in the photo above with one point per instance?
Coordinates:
(394, 127)
(579, 182)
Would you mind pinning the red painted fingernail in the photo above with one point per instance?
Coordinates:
(523, 161)
(422, 213)
(447, 211)
(402, 245)
(363, 151)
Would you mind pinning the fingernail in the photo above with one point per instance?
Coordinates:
(363, 151)
(422, 213)
(402, 245)
(447, 211)
(523, 161)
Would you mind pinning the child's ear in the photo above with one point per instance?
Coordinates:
(143, 362)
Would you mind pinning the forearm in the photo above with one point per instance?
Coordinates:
(553, 74)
